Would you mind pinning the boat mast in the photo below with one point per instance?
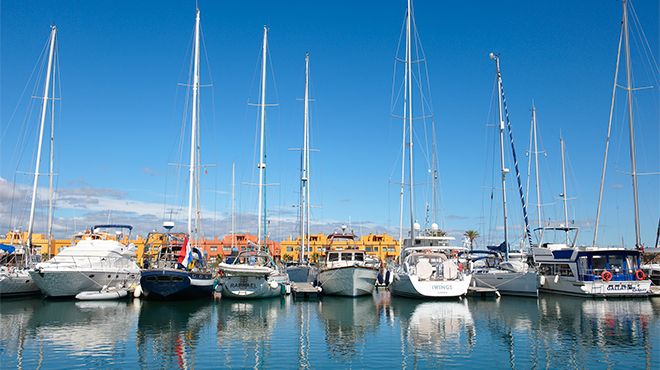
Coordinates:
(233, 205)
(262, 165)
(410, 120)
(504, 170)
(633, 161)
(607, 138)
(44, 108)
(193, 131)
(51, 162)
(304, 176)
(563, 179)
(536, 167)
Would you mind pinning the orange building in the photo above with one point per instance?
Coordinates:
(380, 246)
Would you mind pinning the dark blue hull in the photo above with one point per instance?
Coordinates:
(168, 284)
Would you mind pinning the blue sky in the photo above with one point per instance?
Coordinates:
(120, 117)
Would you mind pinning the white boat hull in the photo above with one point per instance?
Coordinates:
(67, 283)
(406, 285)
(508, 282)
(569, 286)
(102, 295)
(349, 281)
(17, 283)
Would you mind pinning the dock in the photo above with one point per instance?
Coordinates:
(304, 291)
(476, 291)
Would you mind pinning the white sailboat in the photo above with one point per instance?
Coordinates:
(429, 266)
(508, 276)
(14, 276)
(596, 271)
(302, 271)
(253, 274)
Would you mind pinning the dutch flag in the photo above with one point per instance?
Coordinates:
(185, 256)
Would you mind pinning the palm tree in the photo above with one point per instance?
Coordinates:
(471, 235)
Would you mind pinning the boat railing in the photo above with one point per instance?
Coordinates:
(113, 261)
(617, 274)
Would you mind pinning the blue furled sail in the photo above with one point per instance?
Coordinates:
(515, 165)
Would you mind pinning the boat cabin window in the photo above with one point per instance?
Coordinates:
(346, 256)
(359, 257)
(333, 257)
(565, 270)
(598, 264)
(616, 263)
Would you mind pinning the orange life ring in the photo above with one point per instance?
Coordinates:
(640, 275)
(606, 275)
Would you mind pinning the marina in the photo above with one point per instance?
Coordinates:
(367, 332)
(415, 244)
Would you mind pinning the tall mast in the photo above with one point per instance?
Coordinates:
(262, 159)
(631, 125)
(410, 121)
(503, 169)
(193, 131)
(607, 138)
(50, 171)
(44, 108)
(434, 169)
(536, 168)
(233, 205)
(304, 176)
(563, 179)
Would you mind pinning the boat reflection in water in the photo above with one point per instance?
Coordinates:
(245, 331)
(83, 333)
(168, 333)
(348, 323)
(432, 330)
(376, 331)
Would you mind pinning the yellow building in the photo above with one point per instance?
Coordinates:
(380, 246)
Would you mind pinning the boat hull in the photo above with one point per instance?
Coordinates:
(596, 289)
(251, 287)
(405, 285)
(68, 283)
(17, 283)
(302, 274)
(350, 281)
(508, 282)
(175, 284)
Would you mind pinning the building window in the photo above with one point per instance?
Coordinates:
(214, 249)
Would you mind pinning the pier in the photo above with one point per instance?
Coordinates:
(475, 291)
(304, 291)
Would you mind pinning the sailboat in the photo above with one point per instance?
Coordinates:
(429, 266)
(508, 276)
(597, 271)
(253, 273)
(15, 279)
(302, 271)
(180, 269)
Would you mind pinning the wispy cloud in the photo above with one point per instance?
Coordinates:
(83, 206)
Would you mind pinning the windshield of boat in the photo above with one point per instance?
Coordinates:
(253, 259)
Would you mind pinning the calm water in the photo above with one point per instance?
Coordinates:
(371, 332)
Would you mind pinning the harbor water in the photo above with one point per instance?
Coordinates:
(378, 331)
